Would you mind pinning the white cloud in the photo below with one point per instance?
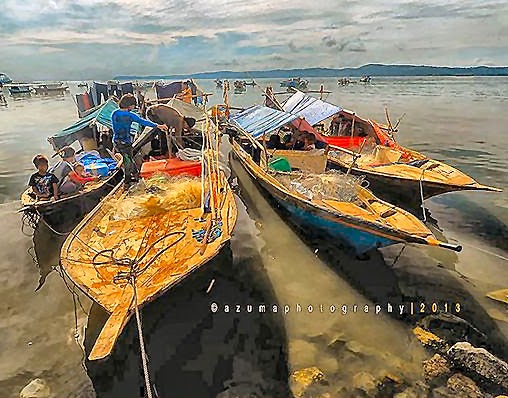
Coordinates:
(204, 34)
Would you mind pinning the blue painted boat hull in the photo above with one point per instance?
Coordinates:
(309, 217)
(360, 241)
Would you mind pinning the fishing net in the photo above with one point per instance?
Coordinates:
(158, 194)
(332, 184)
(368, 154)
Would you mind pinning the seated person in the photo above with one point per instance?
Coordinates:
(360, 132)
(275, 143)
(64, 166)
(297, 140)
(44, 184)
(309, 142)
(186, 94)
(76, 179)
(340, 126)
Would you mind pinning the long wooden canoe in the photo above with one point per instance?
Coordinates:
(365, 224)
(63, 214)
(124, 263)
(395, 172)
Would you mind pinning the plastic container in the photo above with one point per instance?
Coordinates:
(98, 169)
(280, 164)
(170, 167)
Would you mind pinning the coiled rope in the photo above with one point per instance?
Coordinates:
(130, 277)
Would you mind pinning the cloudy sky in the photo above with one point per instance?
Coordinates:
(86, 39)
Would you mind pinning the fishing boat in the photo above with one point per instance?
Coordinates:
(331, 202)
(295, 83)
(239, 84)
(48, 88)
(141, 242)
(83, 84)
(19, 88)
(365, 147)
(4, 79)
(63, 214)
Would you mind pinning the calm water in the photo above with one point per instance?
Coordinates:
(194, 353)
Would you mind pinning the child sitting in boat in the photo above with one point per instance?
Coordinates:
(64, 166)
(76, 179)
(44, 184)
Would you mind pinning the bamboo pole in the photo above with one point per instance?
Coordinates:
(353, 162)
(353, 125)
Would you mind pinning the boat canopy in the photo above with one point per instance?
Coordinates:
(312, 109)
(102, 115)
(259, 120)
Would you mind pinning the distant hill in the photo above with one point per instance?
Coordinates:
(370, 70)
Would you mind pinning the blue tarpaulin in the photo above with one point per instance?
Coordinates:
(258, 120)
(101, 115)
(312, 109)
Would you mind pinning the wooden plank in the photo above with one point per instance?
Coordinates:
(110, 331)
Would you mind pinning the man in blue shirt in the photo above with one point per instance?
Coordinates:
(122, 139)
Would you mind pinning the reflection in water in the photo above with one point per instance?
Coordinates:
(476, 219)
(47, 247)
(414, 274)
(194, 352)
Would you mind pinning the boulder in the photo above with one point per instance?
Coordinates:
(303, 379)
(359, 349)
(390, 385)
(451, 328)
(436, 369)
(365, 382)
(480, 362)
(408, 393)
(37, 388)
(443, 392)
(463, 386)
(430, 340)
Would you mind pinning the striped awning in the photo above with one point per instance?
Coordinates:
(258, 120)
(312, 109)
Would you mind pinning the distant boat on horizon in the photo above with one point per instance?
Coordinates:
(4, 79)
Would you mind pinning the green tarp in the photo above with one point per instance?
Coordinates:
(101, 115)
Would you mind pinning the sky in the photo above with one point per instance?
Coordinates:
(99, 39)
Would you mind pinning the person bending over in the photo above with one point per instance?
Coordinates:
(122, 138)
(44, 184)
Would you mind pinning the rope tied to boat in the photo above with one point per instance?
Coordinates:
(129, 276)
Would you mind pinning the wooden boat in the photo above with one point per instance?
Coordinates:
(48, 88)
(125, 261)
(19, 88)
(295, 83)
(363, 223)
(367, 148)
(64, 213)
(4, 79)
